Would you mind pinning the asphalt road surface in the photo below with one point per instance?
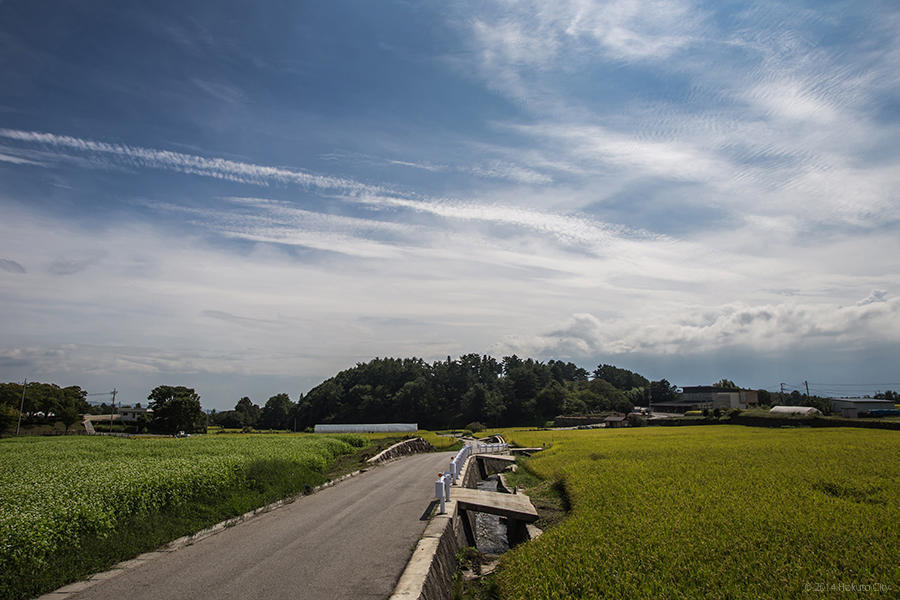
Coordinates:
(352, 540)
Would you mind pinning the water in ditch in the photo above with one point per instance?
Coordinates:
(490, 531)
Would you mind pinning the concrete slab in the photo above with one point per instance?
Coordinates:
(498, 457)
(524, 450)
(513, 506)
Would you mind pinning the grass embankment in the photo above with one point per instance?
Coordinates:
(440, 443)
(72, 506)
(713, 512)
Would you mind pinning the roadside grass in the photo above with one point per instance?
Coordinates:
(213, 478)
(439, 442)
(75, 505)
(262, 483)
(549, 496)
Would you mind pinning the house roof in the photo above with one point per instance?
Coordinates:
(612, 419)
(706, 389)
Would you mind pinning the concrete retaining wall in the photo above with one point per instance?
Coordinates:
(429, 573)
(575, 421)
(492, 465)
(413, 446)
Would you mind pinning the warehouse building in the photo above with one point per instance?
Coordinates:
(700, 397)
(857, 407)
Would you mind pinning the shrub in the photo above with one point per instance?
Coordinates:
(636, 420)
(475, 427)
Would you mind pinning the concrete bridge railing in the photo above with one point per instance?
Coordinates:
(449, 478)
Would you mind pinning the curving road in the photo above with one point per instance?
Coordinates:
(352, 540)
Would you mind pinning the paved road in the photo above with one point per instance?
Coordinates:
(352, 540)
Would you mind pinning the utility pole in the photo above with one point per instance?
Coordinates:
(21, 406)
(806, 383)
(782, 394)
(114, 392)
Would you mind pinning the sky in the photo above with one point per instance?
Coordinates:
(247, 197)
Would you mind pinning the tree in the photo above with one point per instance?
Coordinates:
(68, 414)
(229, 419)
(663, 391)
(176, 409)
(725, 384)
(623, 379)
(550, 402)
(249, 413)
(276, 414)
(8, 417)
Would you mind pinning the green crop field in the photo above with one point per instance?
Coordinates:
(59, 493)
(714, 512)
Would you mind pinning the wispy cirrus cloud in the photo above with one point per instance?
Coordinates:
(218, 168)
(563, 227)
(770, 115)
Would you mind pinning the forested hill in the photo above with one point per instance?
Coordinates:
(453, 393)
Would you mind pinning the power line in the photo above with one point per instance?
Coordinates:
(853, 384)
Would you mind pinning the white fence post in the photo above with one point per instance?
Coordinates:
(439, 491)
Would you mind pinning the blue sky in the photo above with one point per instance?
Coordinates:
(248, 197)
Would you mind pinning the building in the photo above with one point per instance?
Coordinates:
(857, 407)
(807, 411)
(367, 428)
(708, 397)
(615, 421)
(131, 415)
(711, 397)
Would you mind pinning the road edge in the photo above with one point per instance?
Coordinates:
(79, 586)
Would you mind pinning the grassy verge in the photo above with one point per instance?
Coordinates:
(85, 466)
(548, 496)
(263, 482)
(90, 549)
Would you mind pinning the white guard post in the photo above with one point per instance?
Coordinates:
(439, 491)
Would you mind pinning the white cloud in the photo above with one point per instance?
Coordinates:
(534, 33)
(500, 170)
(764, 329)
(18, 160)
(218, 168)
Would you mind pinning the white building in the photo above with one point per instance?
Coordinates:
(808, 411)
(366, 428)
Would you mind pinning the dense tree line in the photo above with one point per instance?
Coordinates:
(452, 393)
(43, 402)
(280, 412)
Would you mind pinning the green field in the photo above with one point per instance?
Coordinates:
(714, 512)
(70, 505)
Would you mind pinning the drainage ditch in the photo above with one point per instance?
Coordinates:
(491, 536)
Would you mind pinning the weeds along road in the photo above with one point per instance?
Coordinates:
(352, 540)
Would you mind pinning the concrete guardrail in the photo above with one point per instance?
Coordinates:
(448, 478)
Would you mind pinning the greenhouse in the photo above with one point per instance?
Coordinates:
(367, 428)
